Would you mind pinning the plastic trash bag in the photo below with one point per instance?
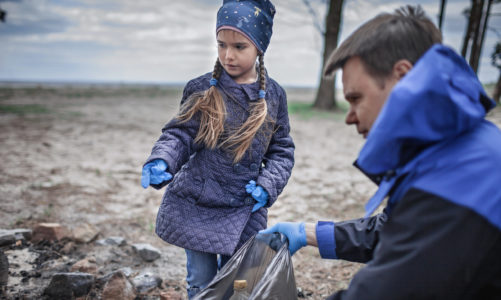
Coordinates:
(265, 262)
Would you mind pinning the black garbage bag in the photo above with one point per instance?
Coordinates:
(265, 263)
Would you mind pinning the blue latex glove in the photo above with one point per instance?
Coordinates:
(294, 232)
(155, 173)
(258, 193)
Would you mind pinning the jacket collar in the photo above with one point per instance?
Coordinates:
(251, 90)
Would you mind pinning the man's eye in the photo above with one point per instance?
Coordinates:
(352, 99)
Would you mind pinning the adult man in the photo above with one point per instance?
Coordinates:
(431, 151)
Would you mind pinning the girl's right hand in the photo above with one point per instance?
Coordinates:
(155, 172)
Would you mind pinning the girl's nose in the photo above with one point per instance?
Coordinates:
(229, 54)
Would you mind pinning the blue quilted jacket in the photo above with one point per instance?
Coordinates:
(205, 207)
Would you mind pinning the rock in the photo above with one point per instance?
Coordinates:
(86, 265)
(69, 285)
(10, 236)
(48, 232)
(85, 233)
(126, 270)
(171, 294)
(112, 241)
(146, 282)
(68, 248)
(104, 279)
(4, 269)
(147, 251)
(7, 239)
(118, 287)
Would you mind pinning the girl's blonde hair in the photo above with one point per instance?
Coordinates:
(212, 110)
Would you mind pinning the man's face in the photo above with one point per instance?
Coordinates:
(364, 94)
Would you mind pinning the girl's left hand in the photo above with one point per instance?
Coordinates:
(258, 193)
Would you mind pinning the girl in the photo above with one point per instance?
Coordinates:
(228, 151)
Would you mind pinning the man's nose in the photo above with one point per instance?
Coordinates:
(351, 117)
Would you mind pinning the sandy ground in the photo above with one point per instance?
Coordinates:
(73, 155)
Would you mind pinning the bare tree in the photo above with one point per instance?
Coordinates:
(441, 14)
(3, 15)
(478, 17)
(326, 96)
(496, 62)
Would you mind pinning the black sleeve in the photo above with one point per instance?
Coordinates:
(431, 248)
(356, 239)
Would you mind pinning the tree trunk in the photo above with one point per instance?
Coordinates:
(326, 97)
(497, 90)
(441, 15)
(478, 42)
(470, 28)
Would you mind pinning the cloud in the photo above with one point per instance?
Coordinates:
(174, 41)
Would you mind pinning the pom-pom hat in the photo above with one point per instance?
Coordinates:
(253, 18)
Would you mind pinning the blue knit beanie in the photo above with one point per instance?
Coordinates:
(253, 18)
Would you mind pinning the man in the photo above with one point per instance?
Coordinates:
(431, 151)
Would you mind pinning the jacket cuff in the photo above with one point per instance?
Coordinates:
(326, 240)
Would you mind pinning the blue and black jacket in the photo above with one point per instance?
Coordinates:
(438, 162)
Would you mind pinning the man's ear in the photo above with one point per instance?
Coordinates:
(401, 67)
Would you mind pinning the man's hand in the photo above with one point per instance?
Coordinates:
(294, 232)
(155, 172)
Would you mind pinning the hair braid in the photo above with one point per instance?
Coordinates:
(262, 74)
(212, 112)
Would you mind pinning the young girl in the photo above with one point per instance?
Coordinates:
(228, 151)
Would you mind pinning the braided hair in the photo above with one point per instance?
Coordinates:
(212, 112)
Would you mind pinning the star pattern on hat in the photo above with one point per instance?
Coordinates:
(256, 11)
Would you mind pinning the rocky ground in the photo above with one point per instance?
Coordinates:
(73, 156)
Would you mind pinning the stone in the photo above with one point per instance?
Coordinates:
(171, 294)
(147, 251)
(112, 241)
(7, 238)
(4, 269)
(86, 265)
(85, 233)
(69, 285)
(10, 236)
(146, 282)
(68, 248)
(104, 279)
(48, 232)
(118, 287)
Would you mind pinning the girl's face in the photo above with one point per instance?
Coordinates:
(238, 55)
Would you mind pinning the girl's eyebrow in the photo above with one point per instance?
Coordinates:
(237, 43)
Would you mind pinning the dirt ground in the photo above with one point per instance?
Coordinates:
(73, 155)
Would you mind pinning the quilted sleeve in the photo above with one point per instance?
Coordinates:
(176, 143)
(279, 157)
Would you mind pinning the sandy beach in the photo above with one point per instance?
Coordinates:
(73, 155)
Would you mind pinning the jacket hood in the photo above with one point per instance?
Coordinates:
(438, 99)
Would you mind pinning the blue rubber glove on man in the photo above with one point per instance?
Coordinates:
(258, 193)
(155, 172)
(294, 232)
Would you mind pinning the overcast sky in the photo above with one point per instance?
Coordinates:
(172, 41)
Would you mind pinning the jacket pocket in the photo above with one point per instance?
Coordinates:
(186, 186)
(213, 195)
